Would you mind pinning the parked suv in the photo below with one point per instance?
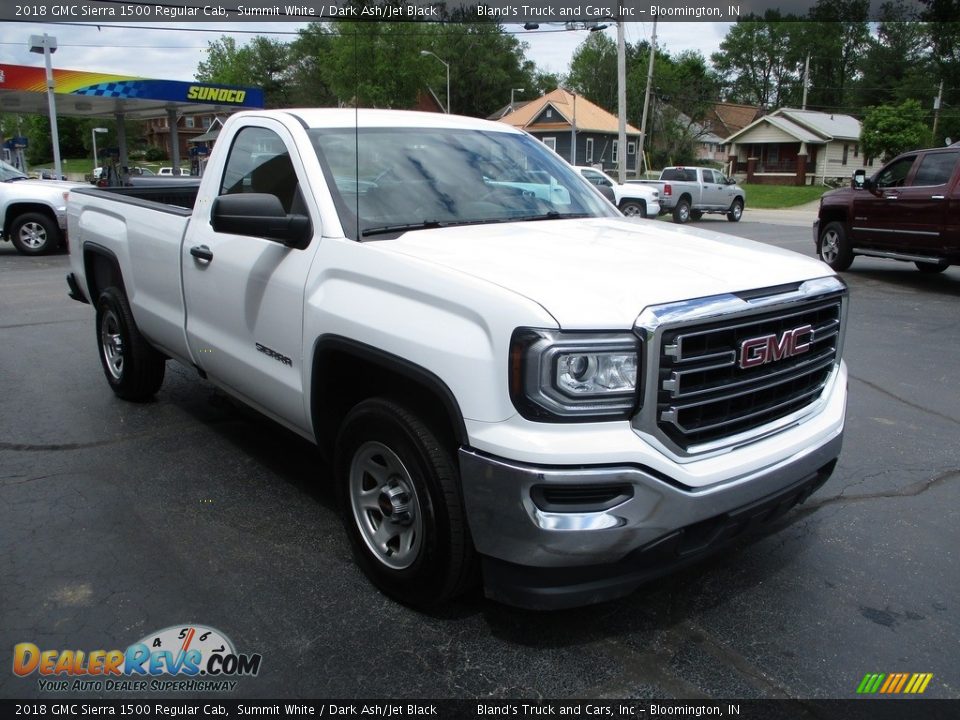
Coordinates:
(903, 213)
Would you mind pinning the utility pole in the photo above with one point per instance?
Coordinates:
(938, 101)
(621, 98)
(646, 99)
(806, 82)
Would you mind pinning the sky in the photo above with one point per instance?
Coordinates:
(174, 54)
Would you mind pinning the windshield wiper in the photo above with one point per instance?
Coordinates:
(384, 229)
(551, 215)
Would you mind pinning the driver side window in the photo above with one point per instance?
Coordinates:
(895, 174)
(259, 162)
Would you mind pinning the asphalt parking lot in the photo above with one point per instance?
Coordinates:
(118, 520)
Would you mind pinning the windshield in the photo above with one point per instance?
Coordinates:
(389, 180)
(8, 172)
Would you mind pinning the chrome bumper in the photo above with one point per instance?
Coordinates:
(542, 558)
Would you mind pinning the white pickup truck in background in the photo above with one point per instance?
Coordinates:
(515, 384)
(689, 192)
(633, 200)
(33, 213)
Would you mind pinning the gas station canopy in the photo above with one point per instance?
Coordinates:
(91, 94)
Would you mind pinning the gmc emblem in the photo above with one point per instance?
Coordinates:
(767, 348)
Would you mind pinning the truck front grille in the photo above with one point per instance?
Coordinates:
(704, 393)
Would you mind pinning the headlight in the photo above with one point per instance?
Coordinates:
(559, 376)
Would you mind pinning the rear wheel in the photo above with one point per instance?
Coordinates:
(132, 366)
(833, 246)
(681, 212)
(634, 208)
(35, 234)
(736, 211)
(926, 267)
(400, 498)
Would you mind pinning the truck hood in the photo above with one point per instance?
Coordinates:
(602, 272)
(42, 188)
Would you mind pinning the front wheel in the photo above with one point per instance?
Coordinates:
(681, 213)
(833, 246)
(931, 268)
(634, 208)
(401, 504)
(736, 211)
(134, 369)
(35, 234)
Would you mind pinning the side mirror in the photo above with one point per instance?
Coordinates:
(731, 181)
(858, 179)
(260, 215)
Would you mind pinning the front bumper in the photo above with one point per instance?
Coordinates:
(545, 559)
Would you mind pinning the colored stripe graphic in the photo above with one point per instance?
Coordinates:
(894, 683)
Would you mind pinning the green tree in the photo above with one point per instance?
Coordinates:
(889, 130)
(593, 71)
(836, 41)
(309, 59)
(262, 62)
(897, 64)
(942, 19)
(759, 62)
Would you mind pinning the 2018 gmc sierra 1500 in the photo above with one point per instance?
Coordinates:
(515, 384)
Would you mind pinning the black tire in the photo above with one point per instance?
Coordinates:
(681, 211)
(833, 247)
(736, 211)
(134, 369)
(401, 504)
(634, 208)
(696, 214)
(35, 234)
(931, 268)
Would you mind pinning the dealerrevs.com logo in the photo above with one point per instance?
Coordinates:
(186, 658)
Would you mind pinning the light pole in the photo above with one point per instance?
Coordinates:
(512, 91)
(447, 66)
(93, 136)
(48, 45)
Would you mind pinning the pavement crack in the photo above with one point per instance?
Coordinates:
(912, 490)
(908, 403)
(40, 322)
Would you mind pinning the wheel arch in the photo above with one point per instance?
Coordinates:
(832, 214)
(17, 208)
(101, 270)
(344, 372)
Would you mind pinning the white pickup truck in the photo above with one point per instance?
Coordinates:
(515, 386)
(33, 213)
(689, 192)
(633, 200)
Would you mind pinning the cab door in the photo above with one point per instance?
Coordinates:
(245, 295)
(715, 191)
(918, 225)
(876, 211)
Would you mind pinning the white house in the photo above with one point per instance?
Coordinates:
(797, 147)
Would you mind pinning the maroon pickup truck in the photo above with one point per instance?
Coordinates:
(909, 210)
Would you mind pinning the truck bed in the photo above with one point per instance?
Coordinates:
(176, 198)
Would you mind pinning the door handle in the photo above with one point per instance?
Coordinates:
(936, 197)
(202, 253)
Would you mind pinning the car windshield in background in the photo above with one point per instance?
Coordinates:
(9, 172)
(390, 180)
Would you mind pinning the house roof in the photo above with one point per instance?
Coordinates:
(833, 125)
(507, 109)
(726, 118)
(589, 117)
(809, 126)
